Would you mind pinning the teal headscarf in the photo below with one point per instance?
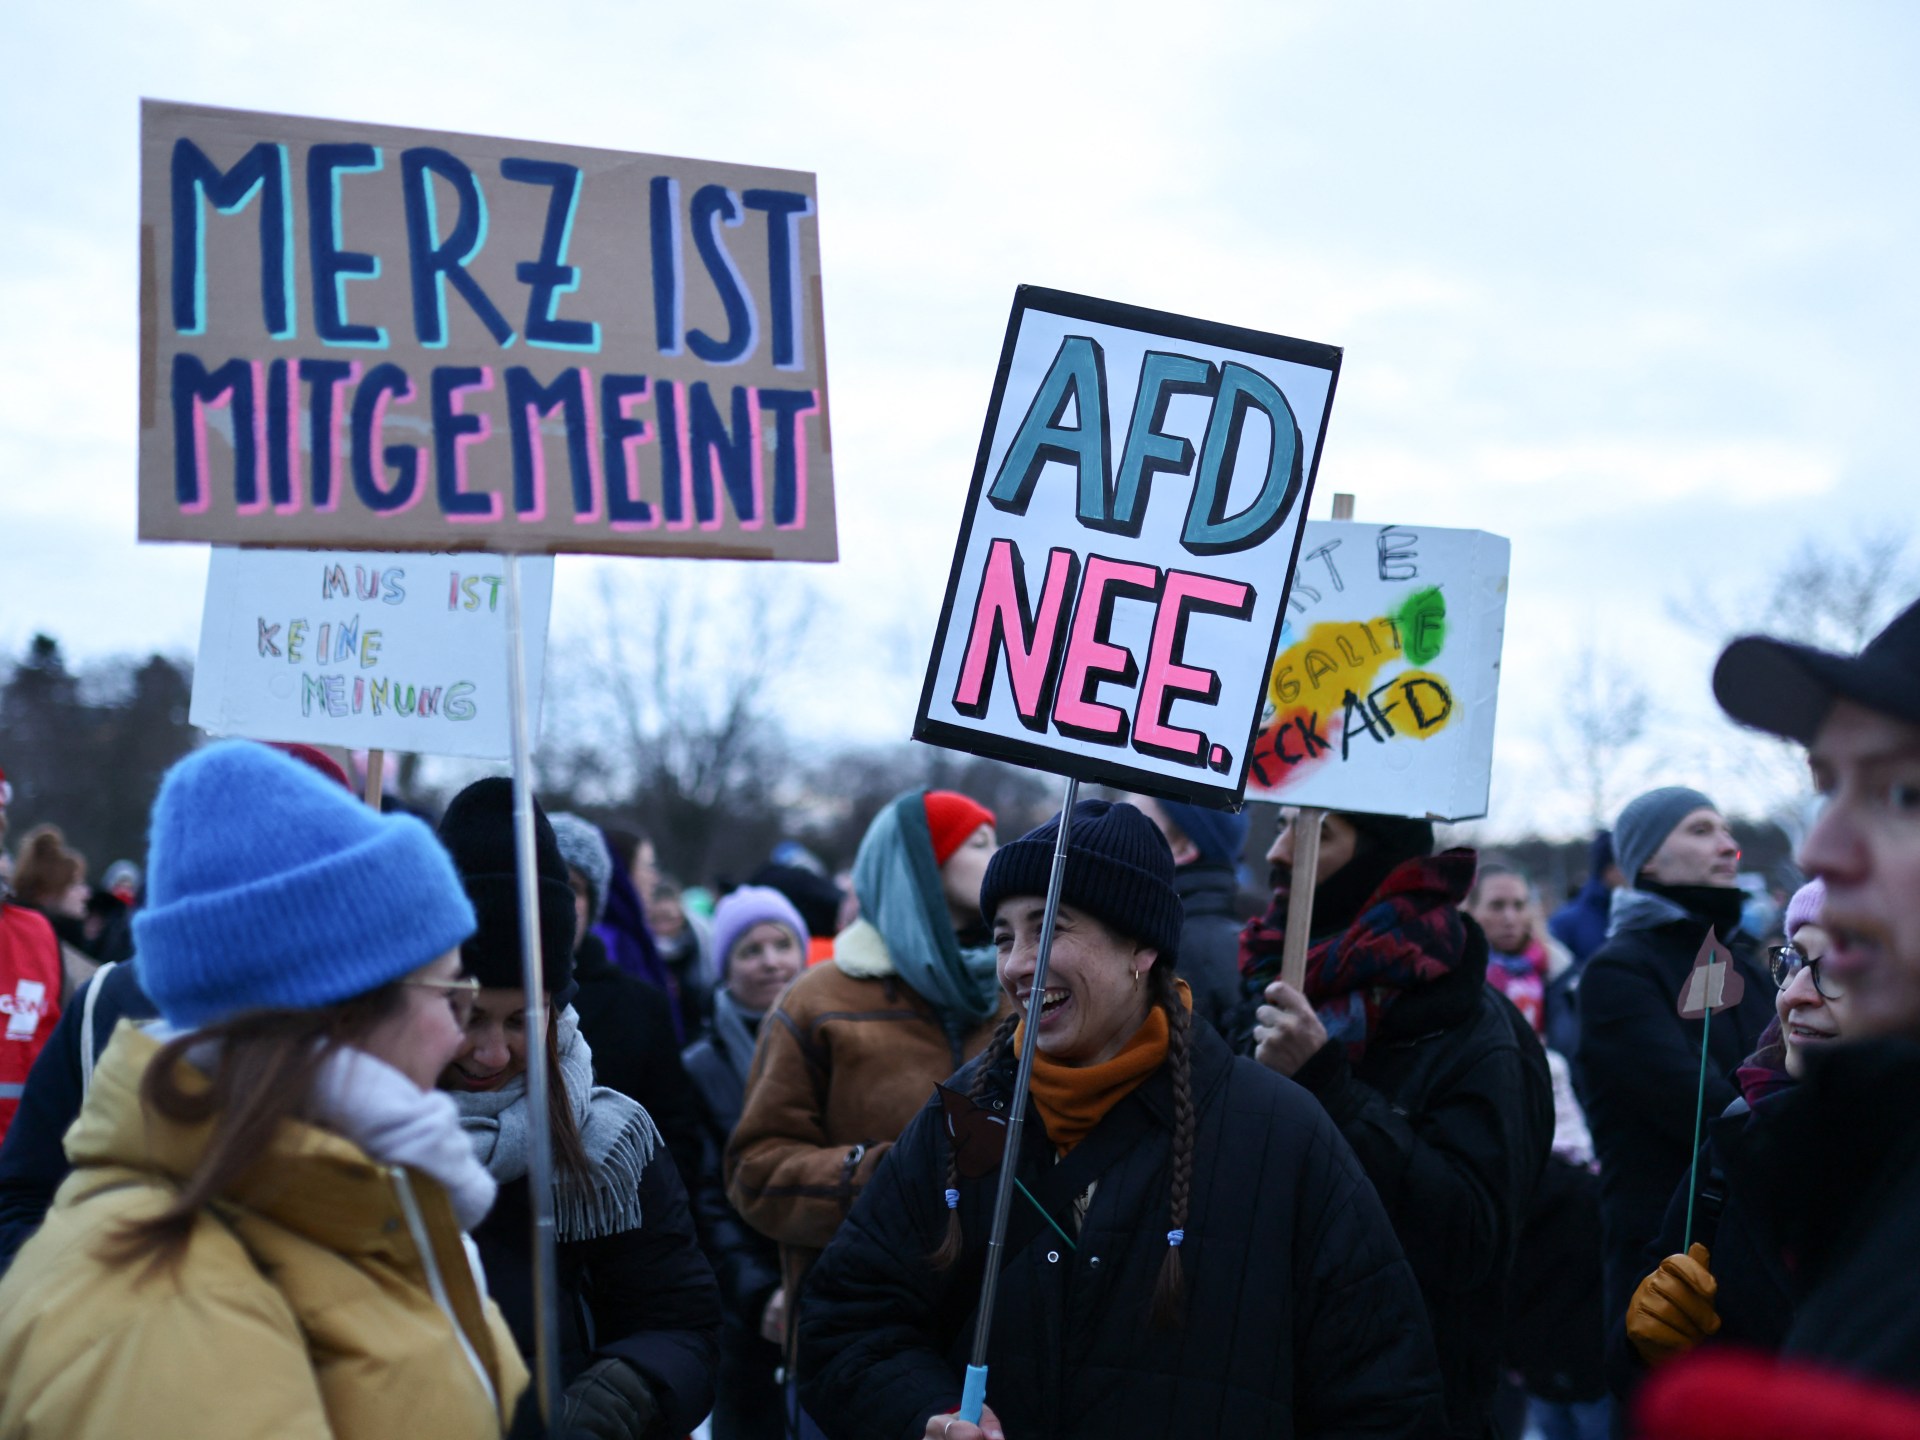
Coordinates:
(898, 885)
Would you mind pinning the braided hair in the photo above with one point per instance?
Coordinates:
(1169, 1291)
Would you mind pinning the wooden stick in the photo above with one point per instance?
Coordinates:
(1306, 860)
(1306, 853)
(376, 776)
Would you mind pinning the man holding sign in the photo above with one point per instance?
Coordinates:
(1430, 1074)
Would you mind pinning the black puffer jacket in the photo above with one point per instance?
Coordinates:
(1301, 1316)
(1451, 1114)
(1209, 958)
(628, 1024)
(644, 1296)
(1835, 1172)
(1639, 1068)
(746, 1263)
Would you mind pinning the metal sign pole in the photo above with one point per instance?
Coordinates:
(974, 1396)
(546, 1313)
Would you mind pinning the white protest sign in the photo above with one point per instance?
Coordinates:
(368, 650)
(1381, 698)
(1118, 583)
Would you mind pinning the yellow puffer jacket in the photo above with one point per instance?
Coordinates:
(327, 1296)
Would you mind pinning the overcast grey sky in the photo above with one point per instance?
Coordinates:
(1631, 284)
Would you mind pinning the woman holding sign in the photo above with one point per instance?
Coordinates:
(1193, 1249)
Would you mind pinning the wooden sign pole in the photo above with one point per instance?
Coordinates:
(376, 776)
(1306, 856)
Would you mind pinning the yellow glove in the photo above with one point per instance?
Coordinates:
(1672, 1309)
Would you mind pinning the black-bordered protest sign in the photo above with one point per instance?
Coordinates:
(374, 338)
(1130, 534)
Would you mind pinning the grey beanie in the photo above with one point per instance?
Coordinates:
(1647, 821)
(584, 848)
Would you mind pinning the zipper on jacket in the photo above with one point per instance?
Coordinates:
(423, 1242)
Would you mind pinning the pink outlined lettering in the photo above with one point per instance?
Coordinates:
(1003, 619)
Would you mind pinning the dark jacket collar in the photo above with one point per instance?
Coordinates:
(1206, 887)
(1443, 1004)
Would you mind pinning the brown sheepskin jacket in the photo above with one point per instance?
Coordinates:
(846, 1057)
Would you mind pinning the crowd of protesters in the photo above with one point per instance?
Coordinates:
(1635, 1163)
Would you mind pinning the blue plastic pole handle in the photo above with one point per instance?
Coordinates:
(973, 1399)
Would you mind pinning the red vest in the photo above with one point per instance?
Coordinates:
(30, 981)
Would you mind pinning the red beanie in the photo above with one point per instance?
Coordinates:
(951, 818)
(316, 758)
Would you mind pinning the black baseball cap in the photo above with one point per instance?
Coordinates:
(1788, 689)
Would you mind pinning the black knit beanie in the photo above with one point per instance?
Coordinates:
(1119, 870)
(1382, 843)
(478, 832)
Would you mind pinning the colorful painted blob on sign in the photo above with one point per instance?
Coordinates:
(1323, 694)
(1381, 696)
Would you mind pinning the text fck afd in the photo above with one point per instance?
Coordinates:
(706, 442)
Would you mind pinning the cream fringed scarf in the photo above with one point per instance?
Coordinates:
(618, 1134)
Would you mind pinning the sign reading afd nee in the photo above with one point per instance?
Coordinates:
(1129, 538)
(394, 651)
(364, 336)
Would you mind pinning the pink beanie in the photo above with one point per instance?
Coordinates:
(1804, 907)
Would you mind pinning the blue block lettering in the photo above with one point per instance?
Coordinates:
(550, 276)
(713, 206)
(1078, 376)
(262, 171)
(435, 262)
(332, 266)
(383, 382)
(785, 209)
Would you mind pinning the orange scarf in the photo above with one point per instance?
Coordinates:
(1073, 1099)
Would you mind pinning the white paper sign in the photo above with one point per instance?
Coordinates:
(371, 650)
(1381, 698)
(1136, 504)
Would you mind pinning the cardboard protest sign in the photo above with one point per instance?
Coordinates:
(1381, 697)
(1136, 506)
(379, 338)
(379, 651)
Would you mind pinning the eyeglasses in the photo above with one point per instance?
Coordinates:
(1787, 961)
(461, 995)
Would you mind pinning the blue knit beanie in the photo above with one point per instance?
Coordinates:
(1219, 835)
(269, 887)
(1647, 821)
(1119, 870)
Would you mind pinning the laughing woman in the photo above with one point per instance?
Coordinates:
(1194, 1249)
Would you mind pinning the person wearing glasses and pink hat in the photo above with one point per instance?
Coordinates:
(1839, 1175)
(1730, 1284)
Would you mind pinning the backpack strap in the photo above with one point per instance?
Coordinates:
(87, 1046)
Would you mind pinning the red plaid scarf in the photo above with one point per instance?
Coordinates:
(1408, 934)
